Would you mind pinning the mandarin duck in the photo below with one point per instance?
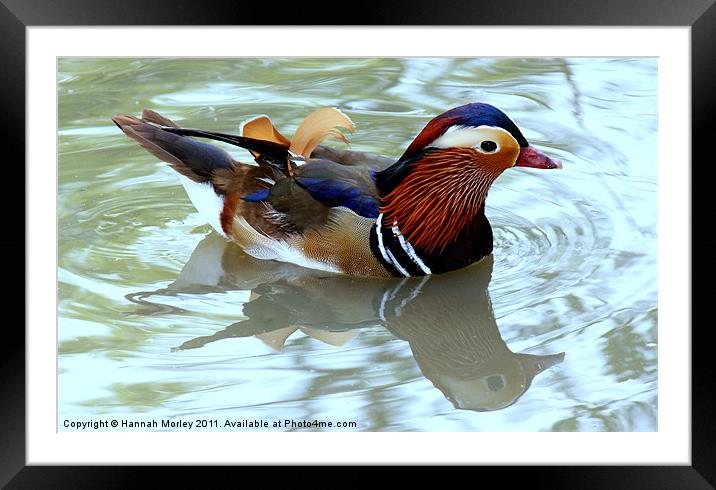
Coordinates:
(447, 320)
(345, 211)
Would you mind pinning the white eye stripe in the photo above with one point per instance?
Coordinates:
(470, 137)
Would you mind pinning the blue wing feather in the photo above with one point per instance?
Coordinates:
(329, 183)
(335, 193)
(258, 196)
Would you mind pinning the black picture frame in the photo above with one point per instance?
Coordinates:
(16, 15)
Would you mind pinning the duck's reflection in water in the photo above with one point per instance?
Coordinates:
(446, 319)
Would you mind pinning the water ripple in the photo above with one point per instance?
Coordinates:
(144, 329)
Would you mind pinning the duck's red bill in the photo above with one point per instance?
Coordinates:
(530, 157)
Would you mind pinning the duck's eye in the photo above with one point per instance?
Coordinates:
(495, 383)
(488, 146)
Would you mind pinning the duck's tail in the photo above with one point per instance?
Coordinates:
(203, 168)
(191, 158)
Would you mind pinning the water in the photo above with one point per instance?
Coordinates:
(161, 319)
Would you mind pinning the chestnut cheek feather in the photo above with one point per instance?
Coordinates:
(440, 196)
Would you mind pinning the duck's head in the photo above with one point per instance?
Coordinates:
(483, 133)
(495, 383)
(451, 164)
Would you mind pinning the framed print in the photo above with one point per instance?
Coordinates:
(332, 264)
